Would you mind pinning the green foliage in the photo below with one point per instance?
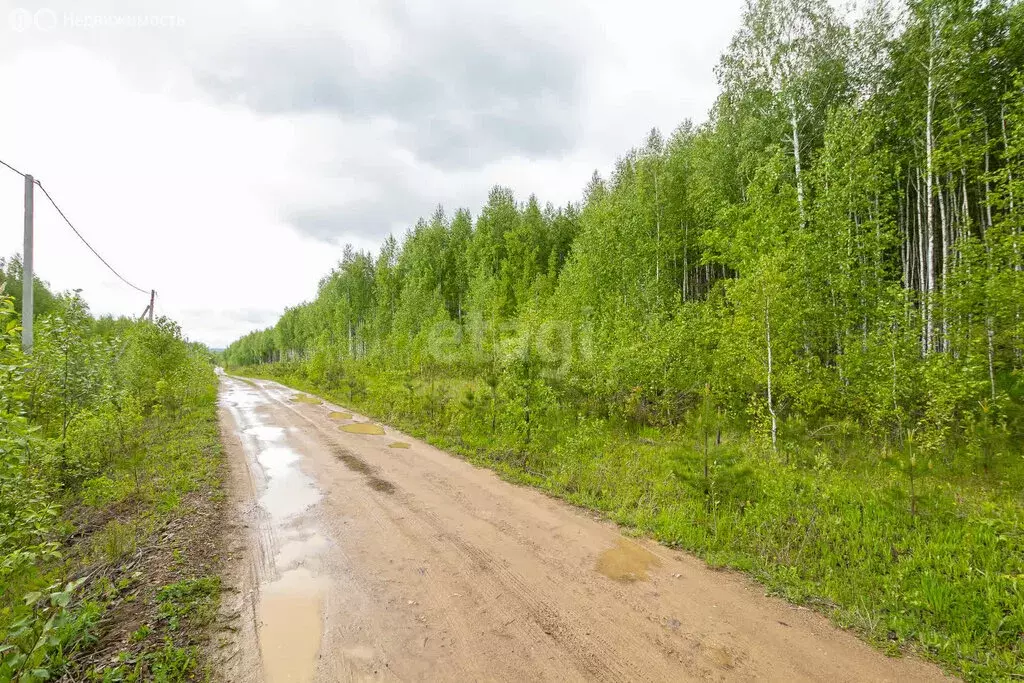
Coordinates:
(103, 417)
(11, 278)
(194, 599)
(41, 642)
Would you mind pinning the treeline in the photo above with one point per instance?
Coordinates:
(107, 428)
(840, 242)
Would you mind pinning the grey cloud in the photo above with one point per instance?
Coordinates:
(468, 84)
(460, 93)
(370, 219)
(395, 192)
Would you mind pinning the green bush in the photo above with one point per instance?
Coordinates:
(101, 413)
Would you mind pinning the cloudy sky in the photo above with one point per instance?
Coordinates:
(225, 152)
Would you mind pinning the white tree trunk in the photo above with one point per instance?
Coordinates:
(944, 255)
(990, 333)
(929, 204)
(922, 254)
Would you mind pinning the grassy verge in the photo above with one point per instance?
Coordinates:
(130, 582)
(914, 554)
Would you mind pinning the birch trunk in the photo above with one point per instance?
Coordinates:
(990, 334)
(929, 208)
(944, 255)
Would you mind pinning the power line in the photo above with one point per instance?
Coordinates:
(75, 230)
(12, 168)
(84, 241)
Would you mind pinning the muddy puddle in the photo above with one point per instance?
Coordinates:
(306, 398)
(398, 444)
(291, 593)
(338, 415)
(296, 551)
(288, 492)
(291, 625)
(362, 428)
(627, 562)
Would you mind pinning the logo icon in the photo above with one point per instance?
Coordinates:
(21, 20)
(45, 19)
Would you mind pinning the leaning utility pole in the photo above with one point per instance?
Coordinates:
(152, 299)
(27, 278)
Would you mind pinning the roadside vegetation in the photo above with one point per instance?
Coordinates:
(109, 495)
(790, 339)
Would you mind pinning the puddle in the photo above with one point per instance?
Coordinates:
(398, 444)
(354, 463)
(336, 415)
(306, 398)
(242, 398)
(627, 562)
(294, 553)
(289, 609)
(290, 625)
(382, 485)
(265, 433)
(362, 428)
(288, 492)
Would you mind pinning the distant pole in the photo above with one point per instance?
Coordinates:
(27, 278)
(152, 299)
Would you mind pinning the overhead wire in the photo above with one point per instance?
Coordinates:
(86, 242)
(12, 168)
(75, 230)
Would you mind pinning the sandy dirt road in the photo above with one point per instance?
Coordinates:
(376, 556)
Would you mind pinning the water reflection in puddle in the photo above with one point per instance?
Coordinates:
(295, 552)
(289, 492)
(265, 432)
(290, 603)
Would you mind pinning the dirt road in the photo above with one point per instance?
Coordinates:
(375, 556)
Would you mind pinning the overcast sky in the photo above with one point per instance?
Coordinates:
(225, 153)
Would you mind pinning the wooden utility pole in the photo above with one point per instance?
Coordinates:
(27, 277)
(152, 298)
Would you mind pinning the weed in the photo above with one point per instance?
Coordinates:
(117, 541)
(194, 599)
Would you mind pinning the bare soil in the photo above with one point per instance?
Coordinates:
(359, 560)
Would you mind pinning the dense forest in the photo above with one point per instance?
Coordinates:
(108, 438)
(790, 338)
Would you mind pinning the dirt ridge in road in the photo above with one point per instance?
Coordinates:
(434, 569)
